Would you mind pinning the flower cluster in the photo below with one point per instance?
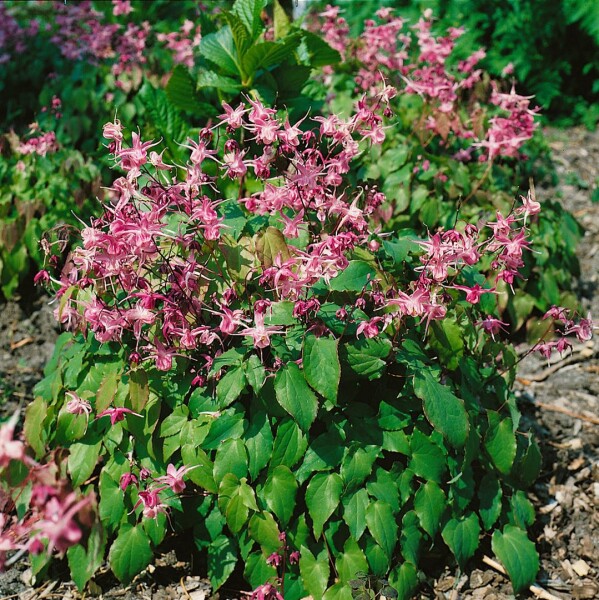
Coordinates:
(163, 269)
(420, 60)
(54, 515)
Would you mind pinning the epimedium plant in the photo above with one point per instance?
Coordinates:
(255, 362)
(460, 142)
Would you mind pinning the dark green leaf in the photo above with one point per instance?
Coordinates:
(322, 498)
(321, 365)
(354, 278)
(489, 496)
(500, 442)
(279, 491)
(461, 535)
(82, 461)
(230, 387)
(264, 530)
(222, 558)
(427, 458)
(294, 395)
(320, 52)
(219, 48)
(249, 11)
(315, 572)
(366, 356)
(130, 553)
(382, 525)
(444, 410)
(404, 580)
(354, 512)
(429, 504)
(289, 446)
(517, 554)
(231, 457)
(352, 562)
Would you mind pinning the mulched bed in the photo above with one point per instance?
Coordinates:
(560, 402)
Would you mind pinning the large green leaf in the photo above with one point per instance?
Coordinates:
(111, 502)
(259, 442)
(222, 558)
(219, 48)
(279, 491)
(315, 571)
(427, 458)
(354, 512)
(319, 51)
(447, 339)
(321, 365)
(268, 54)
(489, 495)
(366, 356)
(462, 537)
(130, 553)
(294, 395)
(354, 278)
(85, 561)
(231, 457)
(352, 562)
(500, 442)
(322, 498)
(289, 445)
(404, 580)
(181, 89)
(517, 554)
(429, 504)
(444, 410)
(82, 461)
(382, 525)
(264, 530)
(250, 11)
(33, 430)
(230, 387)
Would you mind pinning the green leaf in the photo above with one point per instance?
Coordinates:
(264, 530)
(462, 537)
(378, 561)
(111, 507)
(529, 465)
(165, 118)
(429, 504)
(294, 395)
(324, 453)
(352, 563)
(279, 491)
(354, 512)
(230, 387)
(208, 79)
(174, 423)
(130, 553)
(290, 445)
(255, 372)
(523, 512)
(250, 11)
(411, 537)
(315, 572)
(257, 571)
(231, 457)
(82, 461)
(321, 365)
(338, 591)
(270, 244)
(354, 278)
(35, 434)
(447, 339)
(139, 390)
(382, 525)
(282, 27)
(219, 48)
(489, 495)
(500, 442)
(444, 410)
(357, 465)
(365, 356)
(427, 458)
(517, 554)
(84, 562)
(322, 498)
(404, 580)
(320, 52)
(222, 558)
(181, 90)
(259, 442)
(268, 54)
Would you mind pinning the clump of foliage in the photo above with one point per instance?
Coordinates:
(460, 142)
(552, 49)
(258, 365)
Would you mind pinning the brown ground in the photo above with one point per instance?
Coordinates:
(560, 402)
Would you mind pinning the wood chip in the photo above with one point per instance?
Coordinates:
(581, 568)
(21, 343)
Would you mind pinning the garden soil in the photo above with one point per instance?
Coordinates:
(560, 401)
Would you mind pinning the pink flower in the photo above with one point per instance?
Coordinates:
(174, 478)
(116, 414)
(260, 332)
(77, 406)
